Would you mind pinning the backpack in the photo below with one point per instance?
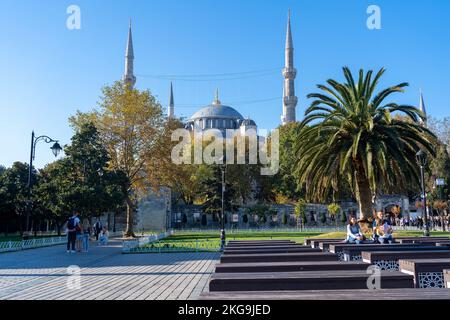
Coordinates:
(71, 224)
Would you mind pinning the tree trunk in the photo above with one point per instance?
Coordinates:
(58, 226)
(114, 220)
(363, 196)
(130, 218)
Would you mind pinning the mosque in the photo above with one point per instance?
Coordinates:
(217, 115)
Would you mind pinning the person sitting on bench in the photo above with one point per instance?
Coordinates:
(378, 216)
(384, 231)
(354, 234)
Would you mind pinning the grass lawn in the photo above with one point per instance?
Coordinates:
(210, 241)
(268, 235)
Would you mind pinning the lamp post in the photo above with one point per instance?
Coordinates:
(421, 158)
(222, 231)
(56, 149)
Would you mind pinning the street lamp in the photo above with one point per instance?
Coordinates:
(222, 231)
(56, 149)
(421, 158)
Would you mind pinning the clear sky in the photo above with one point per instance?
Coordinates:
(49, 71)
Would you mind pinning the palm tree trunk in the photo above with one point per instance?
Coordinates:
(363, 196)
(130, 218)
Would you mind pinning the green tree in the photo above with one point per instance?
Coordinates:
(131, 125)
(350, 132)
(300, 212)
(334, 209)
(14, 193)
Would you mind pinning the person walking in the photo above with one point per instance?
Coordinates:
(72, 225)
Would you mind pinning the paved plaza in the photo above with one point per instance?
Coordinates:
(105, 274)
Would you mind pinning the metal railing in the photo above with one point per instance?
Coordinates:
(130, 245)
(10, 246)
(322, 229)
(178, 246)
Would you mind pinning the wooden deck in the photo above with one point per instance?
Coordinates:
(105, 274)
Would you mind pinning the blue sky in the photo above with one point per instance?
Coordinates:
(49, 72)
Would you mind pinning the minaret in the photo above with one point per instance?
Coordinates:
(129, 77)
(423, 109)
(289, 74)
(171, 109)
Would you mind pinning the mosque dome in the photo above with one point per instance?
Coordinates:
(215, 116)
(217, 111)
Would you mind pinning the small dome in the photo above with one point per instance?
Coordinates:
(248, 123)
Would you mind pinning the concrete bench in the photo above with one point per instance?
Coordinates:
(447, 278)
(340, 295)
(338, 248)
(270, 250)
(288, 266)
(388, 260)
(354, 253)
(306, 280)
(428, 273)
(278, 257)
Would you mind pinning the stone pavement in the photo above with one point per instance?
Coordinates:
(105, 274)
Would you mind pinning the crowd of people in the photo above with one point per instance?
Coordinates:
(80, 233)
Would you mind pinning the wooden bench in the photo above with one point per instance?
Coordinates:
(306, 280)
(288, 266)
(309, 242)
(447, 278)
(244, 245)
(316, 243)
(340, 295)
(246, 248)
(354, 253)
(338, 248)
(422, 240)
(428, 273)
(443, 244)
(278, 257)
(271, 250)
(388, 260)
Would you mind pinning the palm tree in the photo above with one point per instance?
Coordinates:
(349, 133)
